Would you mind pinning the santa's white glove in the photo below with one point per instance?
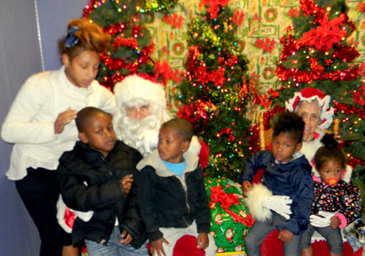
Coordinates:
(279, 204)
(323, 219)
(148, 140)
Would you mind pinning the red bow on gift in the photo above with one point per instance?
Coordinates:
(226, 200)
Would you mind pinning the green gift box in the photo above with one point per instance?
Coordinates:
(230, 218)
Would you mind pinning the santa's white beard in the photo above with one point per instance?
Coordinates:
(129, 129)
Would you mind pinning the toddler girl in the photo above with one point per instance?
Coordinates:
(336, 202)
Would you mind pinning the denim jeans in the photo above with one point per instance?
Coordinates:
(333, 238)
(114, 247)
(261, 229)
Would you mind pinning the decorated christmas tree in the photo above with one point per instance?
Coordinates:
(317, 53)
(132, 44)
(214, 95)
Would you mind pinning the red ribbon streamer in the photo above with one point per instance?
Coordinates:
(226, 200)
(69, 217)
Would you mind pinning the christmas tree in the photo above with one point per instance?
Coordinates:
(215, 93)
(132, 44)
(317, 53)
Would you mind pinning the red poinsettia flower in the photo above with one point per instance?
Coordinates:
(178, 76)
(213, 11)
(324, 36)
(202, 76)
(221, 2)
(293, 13)
(256, 17)
(265, 101)
(359, 96)
(204, 3)
(221, 60)
(273, 94)
(361, 7)
(232, 61)
(174, 20)
(164, 71)
(218, 77)
(238, 17)
(187, 112)
(266, 45)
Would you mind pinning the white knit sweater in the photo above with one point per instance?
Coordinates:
(30, 121)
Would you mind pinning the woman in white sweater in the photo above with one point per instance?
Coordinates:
(41, 125)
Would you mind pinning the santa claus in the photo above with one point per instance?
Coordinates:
(142, 109)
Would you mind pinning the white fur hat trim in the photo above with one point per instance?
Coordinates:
(309, 94)
(135, 87)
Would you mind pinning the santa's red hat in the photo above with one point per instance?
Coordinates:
(309, 94)
(142, 87)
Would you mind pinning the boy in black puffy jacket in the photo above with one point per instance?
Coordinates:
(99, 177)
(172, 195)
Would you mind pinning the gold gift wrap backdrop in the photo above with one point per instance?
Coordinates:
(264, 19)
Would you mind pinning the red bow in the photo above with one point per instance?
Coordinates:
(226, 200)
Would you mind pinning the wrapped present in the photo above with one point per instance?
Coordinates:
(231, 220)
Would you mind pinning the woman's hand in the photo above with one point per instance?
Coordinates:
(63, 119)
(157, 247)
(202, 241)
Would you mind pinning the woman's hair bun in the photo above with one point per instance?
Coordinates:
(329, 141)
